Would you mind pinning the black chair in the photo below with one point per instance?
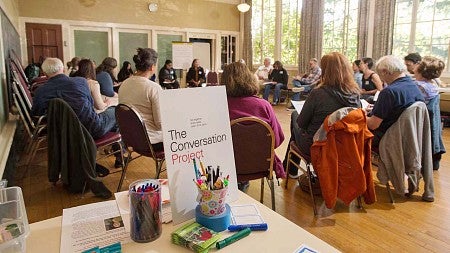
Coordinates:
(134, 135)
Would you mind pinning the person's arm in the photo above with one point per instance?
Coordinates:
(373, 122)
(304, 119)
(313, 77)
(106, 84)
(201, 77)
(285, 77)
(190, 76)
(174, 75)
(99, 104)
(154, 99)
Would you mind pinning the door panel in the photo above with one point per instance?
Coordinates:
(43, 40)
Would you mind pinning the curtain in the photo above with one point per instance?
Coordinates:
(384, 28)
(247, 51)
(363, 28)
(311, 33)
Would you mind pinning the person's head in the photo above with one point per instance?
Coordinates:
(411, 61)
(277, 65)
(52, 67)
(108, 64)
(366, 63)
(355, 66)
(86, 69)
(313, 62)
(168, 64)
(74, 62)
(195, 63)
(390, 68)
(429, 68)
(267, 61)
(337, 72)
(145, 59)
(126, 65)
(239, 81)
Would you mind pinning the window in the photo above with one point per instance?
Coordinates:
(340, 27)
(264, 25)
(263, 29)
(422, 26)
(290, 25)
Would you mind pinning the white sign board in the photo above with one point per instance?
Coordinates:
(195, 124)
(182, 55)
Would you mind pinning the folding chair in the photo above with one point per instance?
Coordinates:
(253, 144)
(134, 135)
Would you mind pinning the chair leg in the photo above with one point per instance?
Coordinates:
(288, 165)
(388, 187)
(124, 170)
(159, 164)
(262, 191)
(308, 174)
(359, 205)
(272, 193)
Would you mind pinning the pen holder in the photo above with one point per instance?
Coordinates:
(212, 202)
(145, 210)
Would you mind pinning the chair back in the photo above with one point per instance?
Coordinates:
(19, 78)
(253, 144)
(212, 79)
(23, 106)
(133, 130)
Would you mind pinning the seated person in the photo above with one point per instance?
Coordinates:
(86, 69)
(125, 72)
(338, 89)
(105, 77)
(196, 75)
(74, 66)
(371, 82)
(357, 75)
(400, 93)
(309, 80)
(425, 72)
(74, 91)
(139, 91)
(167, 76)
(411, 61)
(279, 79)
(262, 73)
(242, 88)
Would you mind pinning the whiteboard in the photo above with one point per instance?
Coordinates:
(182, 55)
(202, 51)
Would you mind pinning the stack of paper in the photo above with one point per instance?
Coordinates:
(195, 237)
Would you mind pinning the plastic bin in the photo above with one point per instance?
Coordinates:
(14, 226)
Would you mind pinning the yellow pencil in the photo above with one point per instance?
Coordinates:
(203, 168)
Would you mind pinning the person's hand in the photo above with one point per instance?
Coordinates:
(368, 109)
(305, 75)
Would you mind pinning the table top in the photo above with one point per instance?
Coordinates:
(282, 236)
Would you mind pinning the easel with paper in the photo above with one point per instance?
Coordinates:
(195, 124)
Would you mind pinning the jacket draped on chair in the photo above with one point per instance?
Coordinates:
(341, 156)
(406, 148)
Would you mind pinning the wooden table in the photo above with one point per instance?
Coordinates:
(282, 236)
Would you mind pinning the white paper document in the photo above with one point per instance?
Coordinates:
(298, 105)
(88, 226)
(245, 214)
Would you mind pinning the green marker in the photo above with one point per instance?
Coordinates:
(236, 237)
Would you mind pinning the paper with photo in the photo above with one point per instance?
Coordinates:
(88, 226)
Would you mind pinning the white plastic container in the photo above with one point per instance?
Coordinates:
(14, 226)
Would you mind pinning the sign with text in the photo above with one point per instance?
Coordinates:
(195, 125)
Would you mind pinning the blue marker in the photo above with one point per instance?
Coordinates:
(253, 227)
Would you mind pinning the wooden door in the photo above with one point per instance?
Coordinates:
(43, 40)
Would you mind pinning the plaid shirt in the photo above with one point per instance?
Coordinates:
(313, 77)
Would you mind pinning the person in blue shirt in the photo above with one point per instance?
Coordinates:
(105, 77)
(400, 93)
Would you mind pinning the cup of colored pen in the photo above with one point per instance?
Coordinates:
(145, 210)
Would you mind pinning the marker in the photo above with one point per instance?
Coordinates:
(203, 168)
(229, 240)
(253, 227)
